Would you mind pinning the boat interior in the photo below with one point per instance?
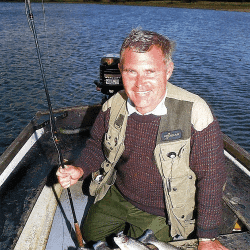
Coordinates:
(35, 211)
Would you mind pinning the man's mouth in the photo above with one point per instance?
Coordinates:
(142, 92)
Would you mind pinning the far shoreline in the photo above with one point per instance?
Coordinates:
(223, 6)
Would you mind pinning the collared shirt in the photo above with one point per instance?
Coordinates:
(159, 110)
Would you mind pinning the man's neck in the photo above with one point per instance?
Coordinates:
(159, 110)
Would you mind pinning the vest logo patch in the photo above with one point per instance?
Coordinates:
(171, 135)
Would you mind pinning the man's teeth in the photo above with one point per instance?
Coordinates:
(142, 92)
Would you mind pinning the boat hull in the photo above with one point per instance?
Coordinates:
(30, 175)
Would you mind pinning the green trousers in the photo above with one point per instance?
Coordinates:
(110, 216)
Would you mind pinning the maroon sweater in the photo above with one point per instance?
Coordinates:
(139, 180)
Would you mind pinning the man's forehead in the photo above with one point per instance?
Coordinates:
(139, 50)
(132, 56)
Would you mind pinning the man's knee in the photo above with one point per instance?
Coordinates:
(98, 225)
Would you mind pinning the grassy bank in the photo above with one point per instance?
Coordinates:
(229, 6)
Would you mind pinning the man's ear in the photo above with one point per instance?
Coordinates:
(120, 67)
(170, 69)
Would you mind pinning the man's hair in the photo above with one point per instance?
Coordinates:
(142, 40)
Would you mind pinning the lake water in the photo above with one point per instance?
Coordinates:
(212, 58)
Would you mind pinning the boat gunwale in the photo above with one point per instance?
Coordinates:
(237, 151)
(27, 132)
(16, 145)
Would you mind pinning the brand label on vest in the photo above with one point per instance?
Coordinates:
(171, 135)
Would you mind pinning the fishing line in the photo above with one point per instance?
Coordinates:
(31, 23)
(45, 30)
(30, 18)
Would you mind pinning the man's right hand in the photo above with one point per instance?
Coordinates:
(69, 175)
(211, 245)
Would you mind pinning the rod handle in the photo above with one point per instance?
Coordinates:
(78, 235)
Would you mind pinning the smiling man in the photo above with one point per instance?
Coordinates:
(145, 77)
(155, 154)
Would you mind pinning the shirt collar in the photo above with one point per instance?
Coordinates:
(160, 109)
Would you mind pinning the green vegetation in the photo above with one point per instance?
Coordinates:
(214, 5)
(231, 6)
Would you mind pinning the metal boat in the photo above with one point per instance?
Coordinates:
(35, 212)
(30, 194)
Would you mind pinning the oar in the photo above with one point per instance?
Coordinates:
(52, 118)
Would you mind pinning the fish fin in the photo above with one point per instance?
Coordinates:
(148, 237)
(100, 245)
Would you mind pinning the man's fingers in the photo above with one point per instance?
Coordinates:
(65, 182)
(211, 245)
(68, 175)
(62, 171)
(67, 185)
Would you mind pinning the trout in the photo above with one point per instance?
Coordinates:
(127, 243)
(100, 245)
(149, 238)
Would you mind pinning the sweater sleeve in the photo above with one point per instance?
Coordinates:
(208, 163)
(92, 156)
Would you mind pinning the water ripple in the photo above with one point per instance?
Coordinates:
(212, 58)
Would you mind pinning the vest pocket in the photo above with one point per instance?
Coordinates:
(174, 158)
(182, 193)
(101, 183)
(112, 141)
(179, 184)
(180, 202)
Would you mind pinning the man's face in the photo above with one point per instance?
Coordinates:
(145, 77)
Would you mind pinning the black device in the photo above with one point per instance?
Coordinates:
(110, 76)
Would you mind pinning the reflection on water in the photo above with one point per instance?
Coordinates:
(212, 58)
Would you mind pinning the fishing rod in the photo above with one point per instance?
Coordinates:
(53, 128)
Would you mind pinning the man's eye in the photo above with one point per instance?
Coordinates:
(150, 72)
(130, 72)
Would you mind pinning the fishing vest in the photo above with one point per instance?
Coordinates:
(171, 155)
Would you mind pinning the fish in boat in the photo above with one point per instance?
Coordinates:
(101, 245)
(149, 238)
(127, 243)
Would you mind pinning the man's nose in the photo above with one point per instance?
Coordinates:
(140, 80)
